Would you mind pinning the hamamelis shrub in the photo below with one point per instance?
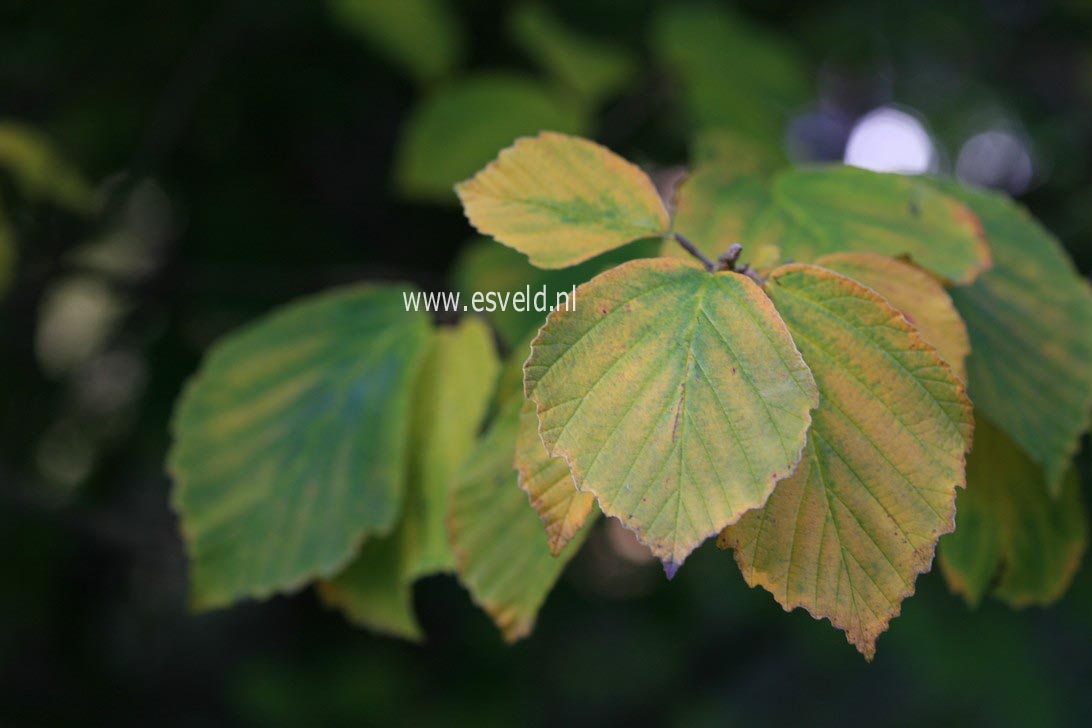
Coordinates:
(792, 375)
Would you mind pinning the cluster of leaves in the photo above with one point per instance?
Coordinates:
(812, 414)
(810, 408)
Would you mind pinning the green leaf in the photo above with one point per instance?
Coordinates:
(372, 592)
(720, 146)
(501, 556)
(846, 536)
(733, 75)
(423, 37)
(835, 209)
(549, 484)
(1030, 325)
(291, 442)
(39, 170)
(590, 68)
(914, 293)
(450, 402)
(562, 200)
(675, 395)
(460, 127)
(714, 206)
(1010, 534)
(490, 268)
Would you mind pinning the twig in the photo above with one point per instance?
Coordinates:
(693, 250)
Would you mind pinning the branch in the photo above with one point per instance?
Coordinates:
(692, 249)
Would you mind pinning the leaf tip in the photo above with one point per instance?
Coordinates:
(671, 567)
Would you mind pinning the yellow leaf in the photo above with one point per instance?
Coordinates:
(1011, 533)
(561, 200)
(846, 536)
(919, 296)
(675, 395)
(549, 484)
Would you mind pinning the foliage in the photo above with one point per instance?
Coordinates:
(813, 415)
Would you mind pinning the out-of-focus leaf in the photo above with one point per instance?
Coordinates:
(592, 69)
(291, 442)
(562, 200)
(372, 592)
(1030, 324)
(714, 206)
(916, 294)
(39, 170)
(846, 536)
(502, 558)
(549, 484)
(450, 402)
(836, 209)
(1010, 533)
(455, 131)
(675, 395)
(734, 151)
(733, 74)
(489, 268)
(423, 37)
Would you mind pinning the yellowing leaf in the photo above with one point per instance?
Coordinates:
(421, 36)
(835, 209)
(846, 536)
(590, 68)
(724, 147)
(920, 298)
(290, 442)
(450, 402)
(562, 200)
(1030, 324)
(549, 484)
(713, 208)
(457, 129)
(1009, 530)
(501, 556)
(372, 591)
(675, 395)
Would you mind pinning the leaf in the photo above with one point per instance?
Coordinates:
(916, 294)
(562, 200)
(720, 146)
(1030, 325)
(372, 592)
(423, 37)
(501, 556)
(590, 68)
(549, 484)
(450, 402)
(290, 442)
(837, 209)
(1011, 536)
(450, 399)
(713, 208)
(460, 127)
(675, 395)
(39, 170)
(846, 536)
(733, 75)
(483, 266)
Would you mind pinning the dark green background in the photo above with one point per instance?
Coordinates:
(271, 131)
